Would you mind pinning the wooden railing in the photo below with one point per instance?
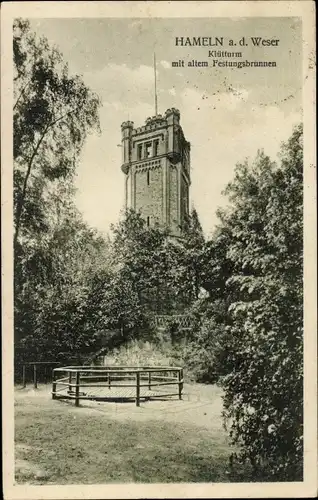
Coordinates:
(35, 366)
(143, 382)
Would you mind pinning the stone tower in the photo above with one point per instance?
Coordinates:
(156, 163)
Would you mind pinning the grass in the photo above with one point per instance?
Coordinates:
(57, 443)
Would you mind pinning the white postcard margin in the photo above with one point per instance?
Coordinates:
(302, 9)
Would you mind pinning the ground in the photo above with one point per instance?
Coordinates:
(162, 441)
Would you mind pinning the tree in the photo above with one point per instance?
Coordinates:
(59, 311)
(53, 113)
(56, 254)
(141, 268)
(263, 373)
(155, 274)
(193, 245)
(208, 340)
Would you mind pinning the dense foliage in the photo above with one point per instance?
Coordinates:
(56, 280)
(153, 274)
(258, 353)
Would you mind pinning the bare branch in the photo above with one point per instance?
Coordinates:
(20, 95)
(20, 203)
(62, 116)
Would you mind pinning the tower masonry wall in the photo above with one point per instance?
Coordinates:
(149, 197)
(156, 161)
(173, 198)
(184, 198)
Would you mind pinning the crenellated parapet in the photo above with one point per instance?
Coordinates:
(154, 119)
(152, 123)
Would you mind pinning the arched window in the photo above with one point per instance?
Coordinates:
(155, 147)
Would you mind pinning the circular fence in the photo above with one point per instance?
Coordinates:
(117, 383)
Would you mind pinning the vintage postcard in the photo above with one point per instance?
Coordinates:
(158, 249)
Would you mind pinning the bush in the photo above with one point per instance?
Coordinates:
(138, 353)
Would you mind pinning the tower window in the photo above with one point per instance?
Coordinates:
(148, 149)
(148, 177)
(155, 147)
(139, 152)
(148, 221)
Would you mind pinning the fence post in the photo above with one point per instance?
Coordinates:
(108, 380)
(23, 377)
(137, 389)
(35, 380)
(70, 382)
(149, 381)
(180, 382)
(77, 388)
(54, 387)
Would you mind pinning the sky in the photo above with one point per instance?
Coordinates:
(227, 114)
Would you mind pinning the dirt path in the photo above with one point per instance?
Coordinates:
(201, 406)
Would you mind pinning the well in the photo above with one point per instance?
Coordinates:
(117, 383)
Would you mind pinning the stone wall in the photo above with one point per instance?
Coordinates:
(173, 198)
(149, 198)
(184, 199)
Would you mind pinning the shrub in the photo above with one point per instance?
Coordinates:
(138, 353)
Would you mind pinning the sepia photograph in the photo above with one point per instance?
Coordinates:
(158, 180)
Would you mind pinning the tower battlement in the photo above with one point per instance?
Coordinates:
(172, 111)
(154, 119)
(151, 124)
(156, 163)
(127, 124)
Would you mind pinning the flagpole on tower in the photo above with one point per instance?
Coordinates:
(155, 72)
